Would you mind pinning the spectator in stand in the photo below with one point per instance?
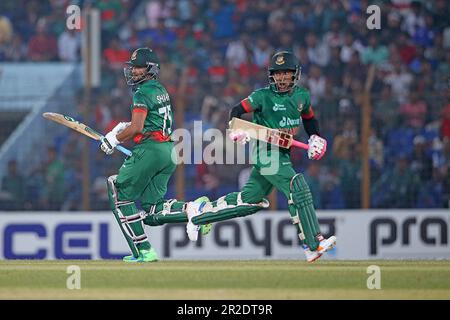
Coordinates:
(115, 56)
(385, 110)
(42, 46)
(160, 36)
(441, 12)
(431, 194)
(397, 188)
(332, 11)
(316, 84)
(414, 18)
(424, 35)
(235, 87)
(399, 80)
(374, 53)
(217, 71)
(6, 33)
(248, 70)
(54, 191)
(421, 162)
(354, 68)
(262, 52)
(155, 10)
(237, 51)
(16, 50)
(349, 166)
(343, 141)
(415, 110)
(69, 45)
(349, 47)
(302, 54)
(220, 19)
(13, 188)
(332, 197)
(390, 30)
(406, 49)
(112, 14)
(334, 37)
(318, 51)
(335, 68)
(254, 18)
(312, 178)
(441, 154)
(376, 153)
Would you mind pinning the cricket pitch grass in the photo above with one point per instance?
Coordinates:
(224, 280)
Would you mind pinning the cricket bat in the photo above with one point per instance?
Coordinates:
(262, 133)
(80, 127)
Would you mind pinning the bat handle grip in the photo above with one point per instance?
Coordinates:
(299, 144)
(124, 150)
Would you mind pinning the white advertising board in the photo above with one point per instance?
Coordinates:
(374, 234)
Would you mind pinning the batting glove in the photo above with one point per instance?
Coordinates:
(239, 136)
(317, 147)
(120, 127)
(109, 142)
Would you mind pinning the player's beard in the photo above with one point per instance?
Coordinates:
(133, 77)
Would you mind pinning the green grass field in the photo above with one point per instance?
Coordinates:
(277, 279)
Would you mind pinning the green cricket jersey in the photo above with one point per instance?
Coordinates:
(279, 110)
(153, 98)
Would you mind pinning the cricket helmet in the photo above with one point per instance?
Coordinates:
(142, 57)
(283, 61)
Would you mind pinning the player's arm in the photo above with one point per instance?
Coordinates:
(310, 123)
(236, 112)
(127, 130)
(136, 126)
(317, 144)
(241, 108)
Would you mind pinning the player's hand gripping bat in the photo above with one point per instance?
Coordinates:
(80, 127)
(272, 136)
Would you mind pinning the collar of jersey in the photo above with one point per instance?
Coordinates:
(147, 82)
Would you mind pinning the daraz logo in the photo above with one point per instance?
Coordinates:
(289, 122)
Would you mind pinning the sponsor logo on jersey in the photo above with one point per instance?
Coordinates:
(280, 60)
(279, 107)
(289, 122)
(300, 107)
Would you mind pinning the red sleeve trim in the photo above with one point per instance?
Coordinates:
(308, 115)
(247, 106)
(142, 110)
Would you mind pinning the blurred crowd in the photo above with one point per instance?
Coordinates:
(214, 53)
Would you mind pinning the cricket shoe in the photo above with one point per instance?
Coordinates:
(194, 209)
(144, 256)
(311, 256)
(326, 244)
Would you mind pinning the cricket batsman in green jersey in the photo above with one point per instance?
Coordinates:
(280, 105)
(145, 174)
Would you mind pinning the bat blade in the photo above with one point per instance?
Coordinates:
(73, 124)
(79, 127)
(262, 133)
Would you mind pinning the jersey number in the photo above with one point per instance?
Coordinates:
(167, 127)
